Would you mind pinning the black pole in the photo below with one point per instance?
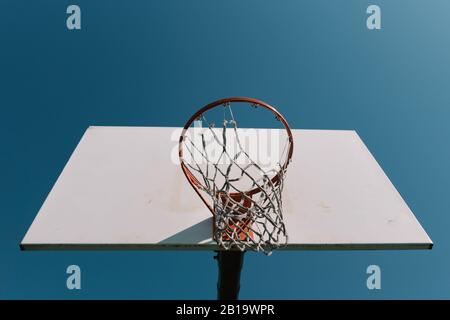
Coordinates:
(230, 266)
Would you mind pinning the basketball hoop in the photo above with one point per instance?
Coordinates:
(244, 198)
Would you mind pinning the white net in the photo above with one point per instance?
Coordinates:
(246, 196)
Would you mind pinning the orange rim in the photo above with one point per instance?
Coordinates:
(234, 195)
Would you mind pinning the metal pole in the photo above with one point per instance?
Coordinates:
(230, 266)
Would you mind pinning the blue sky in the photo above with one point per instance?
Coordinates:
(152, 63)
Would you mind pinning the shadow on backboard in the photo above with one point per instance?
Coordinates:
(196, 234)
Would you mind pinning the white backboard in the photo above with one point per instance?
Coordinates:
(121, 189)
